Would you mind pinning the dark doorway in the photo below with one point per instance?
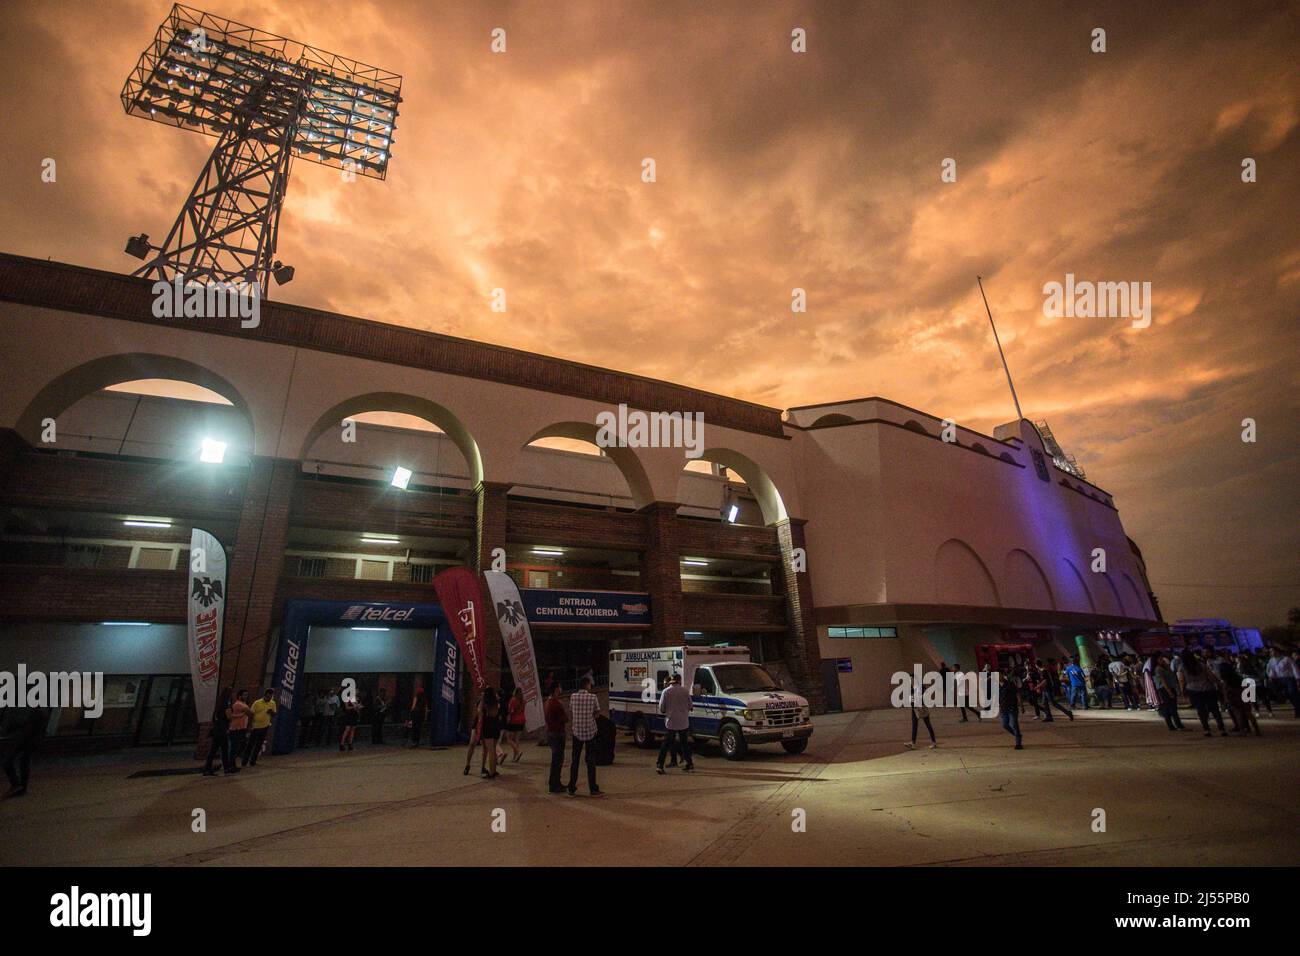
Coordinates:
(831, 679)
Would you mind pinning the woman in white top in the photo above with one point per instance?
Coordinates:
(920, 712)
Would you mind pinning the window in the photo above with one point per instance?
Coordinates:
(422, 573)
(705, 682)
(861, 632)
(311, 567)
(155, 559)
(81, 555)
(368, 570)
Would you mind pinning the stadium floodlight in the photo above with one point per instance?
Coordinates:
(138, 246)
(267, 99)
(212, 451)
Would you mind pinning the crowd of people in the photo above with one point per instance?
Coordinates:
(1209, 680)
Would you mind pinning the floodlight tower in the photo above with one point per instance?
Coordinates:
(267, 99)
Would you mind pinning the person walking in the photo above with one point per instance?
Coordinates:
(1149, 682)
(476, 733)
(1253, 676)
(920, 713)
(675, 705)
(263, 710)
(329, 712)
(240, 714)
(415, 719)
(378, 712)
(1167, 693)
(1202, 689)
(1282, 671)
(1078, 684)
(515, 721)
(28, 732)
(1029, 684)
(584, 707)
(958, 676)
(1101, 685)
(1051, 688)
(308, 718)
(1009, 707)
(219, 735)
(1119, 672)
(555, 720)
(348, 720)
(489, 731)
(1234, 691)
(1214, 662)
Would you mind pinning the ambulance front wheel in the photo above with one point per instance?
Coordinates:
(795, 746)
(641, 734)
(732, 742)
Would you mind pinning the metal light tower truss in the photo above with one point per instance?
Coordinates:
(267, 99)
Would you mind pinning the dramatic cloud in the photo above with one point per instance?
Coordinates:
(778, 170)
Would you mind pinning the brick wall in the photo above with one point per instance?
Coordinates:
(801, 650)
(335, 504)
(90, 291)
(732, 612)
(490, 533)
(698, 536)
(661, 573)
(253, 571)
(92, 594)
(41, 479)
(537, 523)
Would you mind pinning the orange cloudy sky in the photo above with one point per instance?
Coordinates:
(777, 170)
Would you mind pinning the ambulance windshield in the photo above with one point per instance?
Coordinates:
(743, 678)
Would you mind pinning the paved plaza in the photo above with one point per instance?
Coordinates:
(1169, 799)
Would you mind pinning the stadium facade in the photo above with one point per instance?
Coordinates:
(840, 542)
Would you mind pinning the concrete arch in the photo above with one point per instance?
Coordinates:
(627, 460)
(1023, 582)
(756, 477)
(834, 418)
(64, 391)
(962, 577)
(430, 411)
(1139, 600)
(1111, 593)
(913, 425)
(1074, 592)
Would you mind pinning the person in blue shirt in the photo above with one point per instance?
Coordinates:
(1078, 685)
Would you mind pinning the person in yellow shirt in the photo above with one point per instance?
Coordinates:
(263, 711)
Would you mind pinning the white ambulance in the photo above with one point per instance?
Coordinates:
(733, 701)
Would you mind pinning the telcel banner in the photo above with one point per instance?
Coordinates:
(518, 640)
(207, 606)
(462, 601)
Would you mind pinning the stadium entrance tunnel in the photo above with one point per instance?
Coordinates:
(352, 638)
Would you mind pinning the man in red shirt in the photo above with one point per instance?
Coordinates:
(555, 717)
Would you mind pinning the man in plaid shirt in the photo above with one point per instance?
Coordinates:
(583, 708)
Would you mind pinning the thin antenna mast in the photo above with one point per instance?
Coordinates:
(1001, 354)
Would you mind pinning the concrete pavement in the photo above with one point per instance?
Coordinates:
(1169, 799)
